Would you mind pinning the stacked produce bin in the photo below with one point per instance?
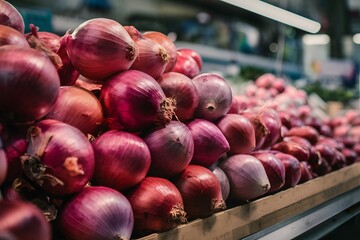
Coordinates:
(110, 133)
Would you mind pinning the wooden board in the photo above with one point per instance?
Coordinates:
(244, 220)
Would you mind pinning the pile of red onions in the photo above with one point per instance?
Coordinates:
(97, 213)
(10, 16)
(201, 192)
(100, 47)
(122, 160)
(59, 158)
(136, 101)
(29, 83)
(171, 148)
(157, 205)
(215, 96)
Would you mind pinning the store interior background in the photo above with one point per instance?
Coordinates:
(234, 42)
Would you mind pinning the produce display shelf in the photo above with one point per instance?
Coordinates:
(258, 215)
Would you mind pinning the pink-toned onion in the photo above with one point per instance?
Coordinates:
(10, 36)
(305, 172)
(247, 177)
(3, 164)
(292, 169)
(10, 16)
(224, 182)
(209, 142)
(261, 130)
(186, 65)
(192, 54)
(292, 148)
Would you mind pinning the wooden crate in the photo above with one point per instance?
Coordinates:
(238, 222)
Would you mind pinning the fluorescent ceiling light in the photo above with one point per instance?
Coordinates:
(316, 39)
(356, 38)
(277, 14)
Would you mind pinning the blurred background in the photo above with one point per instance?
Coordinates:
(237, 43)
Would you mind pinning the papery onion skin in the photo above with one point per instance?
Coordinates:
(224, 182)
(168, 44)
(3, 164)
(10, 36)
(157, 205)
(50, 39)
(29, 83)
(22, 220)
(171, 148)
(247, 177)
(209, 142)
(274, 168)
(215, 96)
(77, 107)
(10, 16)
(59, 158)
(96, 213)
(292, 169)
(201, 192)
(122, 160)
(100, 47)
(261, 130)
(239, 132)
(136, 101)
(183, 90)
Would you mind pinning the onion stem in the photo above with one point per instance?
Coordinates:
(178, 214)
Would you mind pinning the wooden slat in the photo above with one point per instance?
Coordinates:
(244, 220)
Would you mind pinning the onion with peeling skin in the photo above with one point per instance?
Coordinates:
(10, 16)
(247, 177)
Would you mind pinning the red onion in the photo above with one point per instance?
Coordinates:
(224, 182)
(201, 192)
(171, 149)
(59, 158)
(292, 148)
(340, 160)
(152, 58)
(100, 47)
(304, 143)
(341, 130)
(166, 43)
(331, 141)
(265, 81)
(157, 205)
(326, 152)
(261, 130)
(3, 164)
(305, 172)
(136, 101)
(122, 160)
(247, 177)
(183, 90)
(10, 36)
(239, 132)
(323, 168)
(29, 83)
(350, 156)
(209, 142)
(193, 54)
(96, 213)
(77, 107)
(274, 168)
(355, 132)
(186, 65)
(272, 122)
(50, 39)
(215, 96)
(10, 16)
(306, 132)
(22, 220)
(292, 169)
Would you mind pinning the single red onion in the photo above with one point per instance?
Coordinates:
(3, 164)
(305, 172)
(157, 205)
(59, 158)
(193, 54)
(29, 83)
(313, 155)
(136, 101)
(22, 220)
(341, 130)
(261, 130)
(292, 148)
(77, 107)
(247, 177)
(52, 40)
(239, 132)
(215, 96)
(340, 161)
(122, 160)
(355, 132)
(274, 168)
(224, 182)
(10, 16)
(323, 168)
(331, 141)
(306, 132)
(350, 155)
(272, 122)
(166, 43)
(209, 142)
(201, 192)
(183, 90)
(292, 169)
(96, 213)
(152, 57)
(326, 152)
(186, 65)
(10, 36)
(100, 47)
(265, 81)
(171, 148)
